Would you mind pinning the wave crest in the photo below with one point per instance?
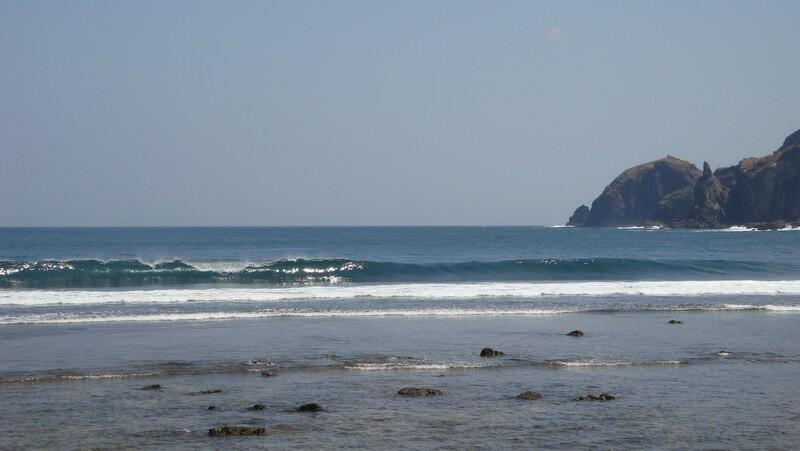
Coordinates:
(135, 273)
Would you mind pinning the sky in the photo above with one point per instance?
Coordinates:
(373, 112)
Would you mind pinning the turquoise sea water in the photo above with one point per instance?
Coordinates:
(347, 316)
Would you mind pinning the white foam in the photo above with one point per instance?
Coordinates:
(769, 307)
(221, 266)
(116, 317)
(782, 308)
(740, 228)
(736, 228)
(600, 362)
(105, 376)
(426, 291)
(413, 367)
(63, 318)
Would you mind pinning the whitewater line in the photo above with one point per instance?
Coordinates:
(426, 291)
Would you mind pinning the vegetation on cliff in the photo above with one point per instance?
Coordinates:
(763, 192)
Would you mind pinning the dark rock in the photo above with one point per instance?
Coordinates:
(576, 333)
(257, 407)
(237, 430)
(600, 397)
(489, 352)
(267, 374)
(772, 225)
(674, 321)
(208, 392)
(414, 391)
(765, 189)
(675, 206)
(792, 140)
(311, 407)
(708, 199)
(578, 218)
(633, 197)
(152, 387)
(529, 395)
(762, 193)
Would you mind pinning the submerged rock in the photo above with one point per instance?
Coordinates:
(576, 333)
(208, 392)
(237, 430)
(152, 387)
(414, 391)
(489, 352)
(674, 321)
(600, 397)
(257, 407)
(529, 395)
(310, 407)
(267, 374)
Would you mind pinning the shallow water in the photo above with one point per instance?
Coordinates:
(672, 388)
(73, 359)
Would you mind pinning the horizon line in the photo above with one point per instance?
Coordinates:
(261, 226)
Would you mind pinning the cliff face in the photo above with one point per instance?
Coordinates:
(578, 219)
(706, 209)
(633, 197)
(765, 189)
(761, 191)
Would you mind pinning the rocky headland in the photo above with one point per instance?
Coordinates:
(761, 193)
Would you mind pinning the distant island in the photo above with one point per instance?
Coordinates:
(761, 193)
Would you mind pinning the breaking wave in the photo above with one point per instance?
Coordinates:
(135, 273)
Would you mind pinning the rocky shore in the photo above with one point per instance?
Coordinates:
(758, 193)
(413, 392)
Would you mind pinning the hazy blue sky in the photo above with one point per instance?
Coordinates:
(374, 113)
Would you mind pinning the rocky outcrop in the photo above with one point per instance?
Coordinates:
(237, 430)
(708, 204)
(489, 352)
(414, 391)
(600, 397)
(310, 407)
(208, 392)
(576, 333)
(633, 197)
(529, 396)
(578, 219)
(759, 192)
(765, 189)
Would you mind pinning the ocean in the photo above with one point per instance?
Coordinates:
(347, 316)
